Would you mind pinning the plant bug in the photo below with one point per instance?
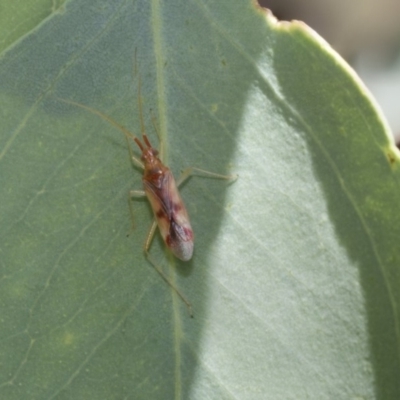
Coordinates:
(161, 189)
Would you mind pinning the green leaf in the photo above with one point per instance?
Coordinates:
(295, 278)
(18, 18)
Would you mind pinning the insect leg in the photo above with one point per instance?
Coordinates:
(137, 193)
(134, 160)
(134, 194)
(147, 245)
(188, 172)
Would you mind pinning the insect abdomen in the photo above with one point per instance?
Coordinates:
(180, 241)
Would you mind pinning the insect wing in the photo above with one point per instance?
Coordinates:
(171, 215)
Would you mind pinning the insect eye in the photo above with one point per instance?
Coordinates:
(155, 152)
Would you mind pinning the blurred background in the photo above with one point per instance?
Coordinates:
(366, 33)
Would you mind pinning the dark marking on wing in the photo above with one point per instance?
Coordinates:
(178, 233)
(177, 207)
(161, 214)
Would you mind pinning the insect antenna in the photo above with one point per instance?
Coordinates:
(161, 143)
(146, 140)
(142, 128)
(139, 143)
(128, 135)
(141, 118)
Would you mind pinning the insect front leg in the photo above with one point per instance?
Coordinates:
(134, 194)
(147, 244)
(134, 159)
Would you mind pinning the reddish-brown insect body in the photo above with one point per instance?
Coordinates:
(161, 189)
(169, 210)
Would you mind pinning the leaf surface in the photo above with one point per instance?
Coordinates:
(295, 278)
